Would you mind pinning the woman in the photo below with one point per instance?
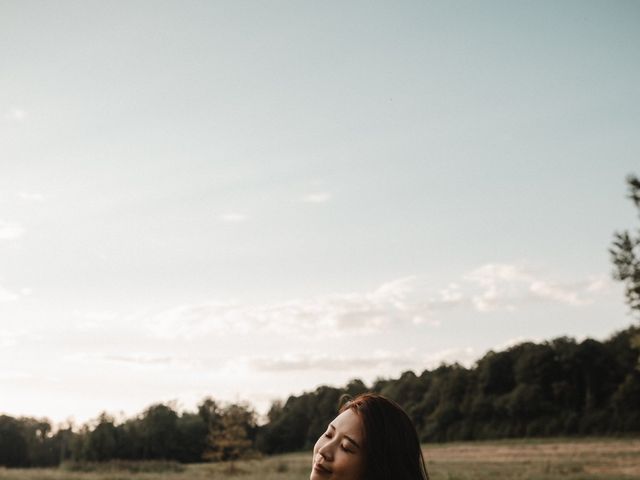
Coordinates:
(371, 439)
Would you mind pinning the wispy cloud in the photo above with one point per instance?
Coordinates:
(506, 286)
(233, 217)
(559, 293)
(378, 361)
(7, 295)
(361, 313)
(317, 197)
(92, 320)
(141, 359)
(10, 230)
(16, 115)
(410, 301)
(10, 338)
(31, 196)
(15, 375)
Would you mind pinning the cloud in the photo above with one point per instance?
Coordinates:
(93, 320)
(506, 287)
(15, 375)
(498, 285)
(140, 359)
(556, 292)
(233, 217)
(9, 230)
(317, 197)
(407, 302)
(9, 338)
(377, 361)
(363, 313)
(7, 295)
(31, 196)
(16, 115)
(598, 284)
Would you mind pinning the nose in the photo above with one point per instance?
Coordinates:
(326, 451)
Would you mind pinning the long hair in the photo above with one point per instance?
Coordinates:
(391, 446)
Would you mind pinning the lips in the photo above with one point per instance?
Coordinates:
(320, 469)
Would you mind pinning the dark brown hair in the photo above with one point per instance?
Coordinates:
(391, 446)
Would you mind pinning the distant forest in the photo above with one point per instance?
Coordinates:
(559, 387)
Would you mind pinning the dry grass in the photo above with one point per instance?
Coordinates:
(592, 459)
(536, 460)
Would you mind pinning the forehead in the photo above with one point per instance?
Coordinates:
(349, 423)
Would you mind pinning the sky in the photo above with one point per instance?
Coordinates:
(246, 200)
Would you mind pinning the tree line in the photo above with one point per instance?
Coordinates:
(558, 387)
(212, 432)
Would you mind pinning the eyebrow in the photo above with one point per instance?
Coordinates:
(347, 437)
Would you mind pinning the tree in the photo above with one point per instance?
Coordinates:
(13, 446)
(231, 440)
(625, 253)
(210, 413)
(102, 441)
(160, 434)
(193, 432)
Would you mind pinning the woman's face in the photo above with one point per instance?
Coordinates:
(338, 454)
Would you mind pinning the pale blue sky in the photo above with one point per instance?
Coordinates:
(247, 199)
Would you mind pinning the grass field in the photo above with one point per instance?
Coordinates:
(588, 459)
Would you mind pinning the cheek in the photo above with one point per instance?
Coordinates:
(317, 447)
(352, 466)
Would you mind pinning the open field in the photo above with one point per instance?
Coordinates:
(588, 459)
